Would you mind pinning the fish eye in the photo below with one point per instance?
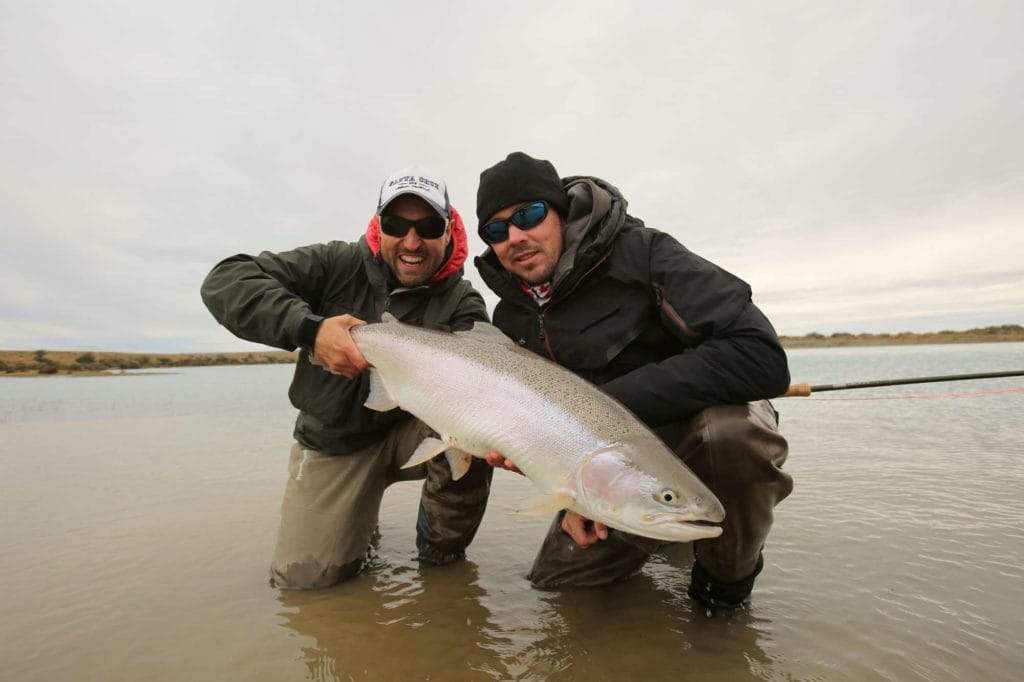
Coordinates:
(667, 496)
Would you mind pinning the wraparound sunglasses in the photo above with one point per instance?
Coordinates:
(430, 227)
(525, 218)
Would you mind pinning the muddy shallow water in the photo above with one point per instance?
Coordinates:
(139, 514)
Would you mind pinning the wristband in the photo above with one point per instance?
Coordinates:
(308, 329)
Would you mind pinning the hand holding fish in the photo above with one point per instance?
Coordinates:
(499, 461)
(582, 530)
(336, 350)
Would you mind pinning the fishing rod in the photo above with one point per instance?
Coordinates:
(803, 390)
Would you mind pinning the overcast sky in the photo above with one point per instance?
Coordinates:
(861, 164)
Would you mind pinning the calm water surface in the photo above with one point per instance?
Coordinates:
(139, 514)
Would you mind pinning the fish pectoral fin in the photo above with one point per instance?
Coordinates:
(380, 398)
(458, 462)
(427, 450)
(547, 505)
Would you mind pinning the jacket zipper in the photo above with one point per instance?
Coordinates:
(544, 336)
(544, 339)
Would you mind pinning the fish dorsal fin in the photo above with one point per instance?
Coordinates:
(388, 318)
(487, 333)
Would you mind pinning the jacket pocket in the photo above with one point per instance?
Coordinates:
(588, 336)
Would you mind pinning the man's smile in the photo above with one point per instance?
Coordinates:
(411, 258)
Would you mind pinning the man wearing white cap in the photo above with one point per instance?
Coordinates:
(408, 263)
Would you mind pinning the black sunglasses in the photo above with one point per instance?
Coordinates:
(430, 227)
(525, 218)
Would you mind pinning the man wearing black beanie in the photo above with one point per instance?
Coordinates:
(520, 176)
(670, 335)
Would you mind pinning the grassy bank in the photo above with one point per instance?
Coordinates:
(1003, 333)
(26, 362)
(31, 363)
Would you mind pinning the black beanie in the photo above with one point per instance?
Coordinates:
(519, 178)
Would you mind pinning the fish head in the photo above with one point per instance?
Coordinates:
(657, 497)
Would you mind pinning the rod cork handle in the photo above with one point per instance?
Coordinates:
(798, 391)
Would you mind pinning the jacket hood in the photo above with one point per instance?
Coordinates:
(597, 212)
(458, 247)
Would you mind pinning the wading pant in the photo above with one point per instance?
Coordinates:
(331, 504)
(736, 450)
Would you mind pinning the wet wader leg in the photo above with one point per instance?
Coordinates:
(737, 452)
(328, 516)
(450, 511)
(562, 563)
(331, 507)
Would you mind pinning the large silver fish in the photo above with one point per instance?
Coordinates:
(582, 449)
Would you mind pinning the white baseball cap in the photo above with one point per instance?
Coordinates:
(415, 180)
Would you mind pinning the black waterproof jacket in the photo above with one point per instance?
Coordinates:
(659, 328)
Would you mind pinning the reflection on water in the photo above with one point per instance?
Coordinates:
(391, 621)
(402, 621)
(138, 517)
(647, 628)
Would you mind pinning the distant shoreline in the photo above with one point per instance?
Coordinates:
(100, 363)
(1001, 334)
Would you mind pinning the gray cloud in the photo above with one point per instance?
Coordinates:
(862, 166)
